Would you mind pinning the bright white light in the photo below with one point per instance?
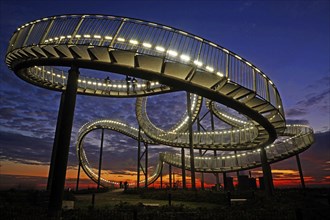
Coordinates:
(97, 36)
(212, 44)
(87, 36)
(132, 41)
(220, 74)
(78, 36)
(238, 57)
(257, 70)
(198, 38)
(120, 39)
(209, 68)
(198, 63)
(172, 53)
(248, 63)
(68, 36)
(168, 28)
(108, 37)
(147, 45)
(185, 57)
(159, 48)
(270, 82)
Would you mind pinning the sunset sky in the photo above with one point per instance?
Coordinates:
(288, 40)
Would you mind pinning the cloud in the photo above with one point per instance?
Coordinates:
(297, 121)
(296, 112)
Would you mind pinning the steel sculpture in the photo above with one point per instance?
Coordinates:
(163, 59)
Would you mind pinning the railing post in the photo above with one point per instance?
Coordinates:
(75, 31)
(117, 32)
(28, 35)
(49, 26)
(227, 65)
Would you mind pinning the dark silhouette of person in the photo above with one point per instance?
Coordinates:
(134, 83)
(125, 185)
(128, 82)
(107, 81)
(148, 85)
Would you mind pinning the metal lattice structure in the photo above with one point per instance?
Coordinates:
(164, 59)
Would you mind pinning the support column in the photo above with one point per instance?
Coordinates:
(236, 161)
(161, 178)
(224, 177)
(138, 159)
(191, 146)
(200, 153)
(183, 162)
(202, 174)
(170, 174)
(63, 144)
(78, 176)
(267, 173)
(100, 160)
(146, 167)
(217, 179)
(55, 144)
(300, 172)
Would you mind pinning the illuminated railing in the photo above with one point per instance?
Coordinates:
(300, 138)
(147, 38)
(59, 77)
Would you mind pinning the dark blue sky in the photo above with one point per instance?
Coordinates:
(288, 40)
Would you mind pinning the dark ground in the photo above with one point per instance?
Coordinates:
(185, 204)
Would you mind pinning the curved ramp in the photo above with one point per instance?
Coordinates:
(164, 59)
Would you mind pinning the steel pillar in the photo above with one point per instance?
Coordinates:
(183, 169)
(55, 144)
(300, 172)
(146, 166)
(267, 173)
(191, 146)
(202, 174)
(78, 176)
(170, 174)
(63, 144)
(138, 157)
(224, 177)
(161, 178)
(217, 179)
(236, 161)
(200, 153)
(100, 160)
